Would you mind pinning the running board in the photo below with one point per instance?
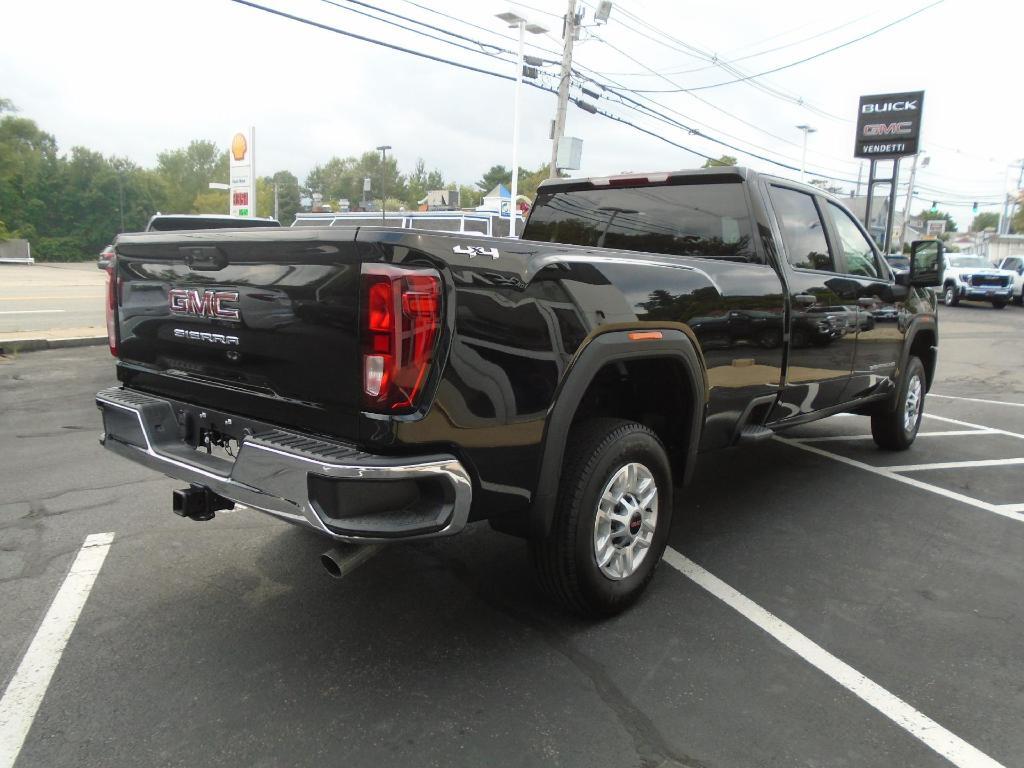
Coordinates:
(754, 433)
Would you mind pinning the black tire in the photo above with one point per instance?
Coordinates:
(1019, 300)
(566, 560)
(950, 297)
(889, 427)
(998, 304)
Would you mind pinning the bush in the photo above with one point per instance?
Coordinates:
(70, 248)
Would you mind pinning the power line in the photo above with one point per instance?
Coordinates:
(479, 50)
(370, 40)
(806, 58)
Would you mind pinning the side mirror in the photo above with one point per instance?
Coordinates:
(926, 263)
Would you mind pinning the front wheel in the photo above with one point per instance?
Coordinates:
(896, 429)
(951, 298)
(612, 520)
(1019, 299)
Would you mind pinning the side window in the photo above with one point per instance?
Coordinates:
(802, 230)
(857, 252)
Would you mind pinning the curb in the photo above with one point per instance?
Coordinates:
(12, 346)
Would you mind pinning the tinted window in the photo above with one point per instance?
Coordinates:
(802, 230)
(475, 225)
(705, 220)
(1012, 263)
(178, 223)
(858, 255)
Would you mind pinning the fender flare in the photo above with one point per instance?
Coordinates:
(610, 347)
(917, 325)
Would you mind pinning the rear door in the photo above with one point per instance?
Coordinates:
(822, 342)
(879, 342)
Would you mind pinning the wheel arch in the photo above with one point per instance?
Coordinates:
(676, 347)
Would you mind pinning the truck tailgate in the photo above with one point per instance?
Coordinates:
(259, 323)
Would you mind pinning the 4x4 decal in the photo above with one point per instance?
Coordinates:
(475, 250)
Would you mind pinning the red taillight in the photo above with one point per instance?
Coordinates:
(112, 286)
(401, 323)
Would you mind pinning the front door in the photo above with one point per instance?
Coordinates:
(822, 312)
(881, 321)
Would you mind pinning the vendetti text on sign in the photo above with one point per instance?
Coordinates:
(889, 124)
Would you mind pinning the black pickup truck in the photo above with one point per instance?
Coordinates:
(377, 384)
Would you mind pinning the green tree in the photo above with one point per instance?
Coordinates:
(983, 221)
(288, 197)
(343, 178)
(723, 160)
(497, 174)
(188, 172)
(928, 215)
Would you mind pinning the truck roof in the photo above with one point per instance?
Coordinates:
(651, 177)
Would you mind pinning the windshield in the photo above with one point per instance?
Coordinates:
(968, 261)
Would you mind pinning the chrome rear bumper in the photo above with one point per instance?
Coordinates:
(327, 486)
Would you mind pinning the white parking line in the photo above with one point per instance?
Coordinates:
(955, 465)
(950, 433)
(994, 430)
(31, 311)
(1005, 510)
(25, 692)
(976, 400)
(922, 727)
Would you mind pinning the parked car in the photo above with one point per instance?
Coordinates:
(1015, 264)
(559, 386)
(106, 257)
(971, 277)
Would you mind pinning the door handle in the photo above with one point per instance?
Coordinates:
(805, 299)
(867, 301)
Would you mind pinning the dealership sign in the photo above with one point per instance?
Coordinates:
(889, 125)
(242, 173)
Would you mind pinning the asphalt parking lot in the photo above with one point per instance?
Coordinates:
(829, 605)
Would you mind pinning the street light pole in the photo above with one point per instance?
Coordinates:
(383, 170)
(803, 157)
(517, 21)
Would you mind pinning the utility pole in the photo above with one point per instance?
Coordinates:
(803, 156)
(277, 215)
(564, 81)
(383, 149)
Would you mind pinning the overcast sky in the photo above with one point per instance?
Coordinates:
(134, 77)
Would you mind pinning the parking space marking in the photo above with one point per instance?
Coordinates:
(919, 725)
(24, 693)
(994, 430)
(976, 400)
(31, 311)
(1011, 511)
(949, 433)
(955, 465)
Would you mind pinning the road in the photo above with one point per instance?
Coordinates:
(225, 644)
(51, 297)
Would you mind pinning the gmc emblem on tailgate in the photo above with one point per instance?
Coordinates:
(190, 301)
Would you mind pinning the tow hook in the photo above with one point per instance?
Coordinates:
(197, 502)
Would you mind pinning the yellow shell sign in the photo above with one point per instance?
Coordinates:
(239, 146)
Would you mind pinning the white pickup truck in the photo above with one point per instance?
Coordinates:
(973, 278)
(1015, 264)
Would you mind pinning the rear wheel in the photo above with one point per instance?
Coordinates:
(612, 520)
(896, 429)
(950, 297)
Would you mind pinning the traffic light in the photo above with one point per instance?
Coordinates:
(974, 209)
(935, 206)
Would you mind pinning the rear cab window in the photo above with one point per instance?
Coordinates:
(706, 220)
